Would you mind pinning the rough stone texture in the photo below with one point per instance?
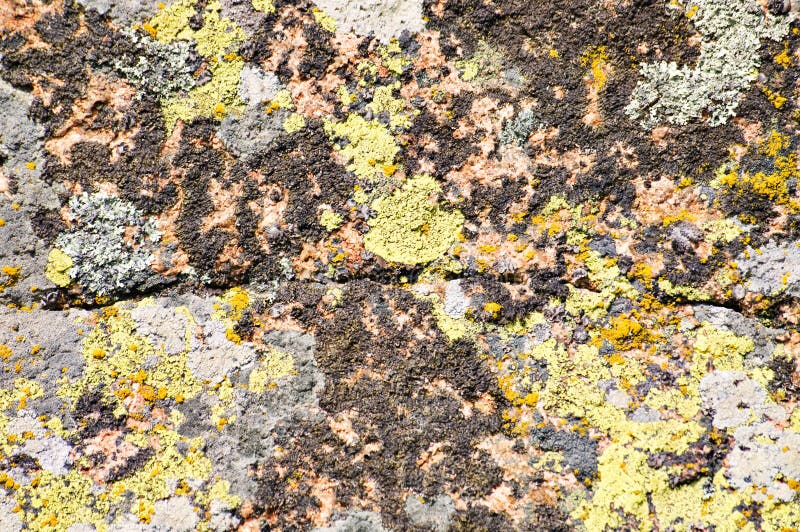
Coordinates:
(399, 265)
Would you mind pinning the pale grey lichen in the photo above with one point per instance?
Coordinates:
(109, 242)
(518, 129)
(728, 64)
(161, 69)
(383, 18)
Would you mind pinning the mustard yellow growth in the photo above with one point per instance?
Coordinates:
(218, 41)
(410, 227)
(596, 58)
(58, 266)
(772, 185)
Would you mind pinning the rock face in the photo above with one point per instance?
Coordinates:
(399, 265)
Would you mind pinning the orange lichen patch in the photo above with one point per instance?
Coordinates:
(664, 201)
(478, 170)
(20, 16)
(342, 426)
(595, 80)
(101, 93)
(112, 446)
(224, 202)
(288, 50)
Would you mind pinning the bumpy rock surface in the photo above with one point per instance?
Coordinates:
(369, 265)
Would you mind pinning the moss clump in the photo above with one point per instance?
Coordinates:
(410, 226)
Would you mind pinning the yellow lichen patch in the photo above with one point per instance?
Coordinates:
(410, 227)
(12, 275)
(58, 266)
(773, 185)
(383, 101)
(718, 349)
(392, 57)
(626, 332)
(272, 366)
(330, 220)
(597, 60)
(294, 123)
(217, 40)
(323, 19)
(370, 145)
(265, 6)
(115, 353)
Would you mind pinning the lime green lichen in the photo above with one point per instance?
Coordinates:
(370, 145)
(275, 364)
(718, 349)
(410, 227)
(294, 123)
(58, 266)
(265, 6)
(724, 231)
(115, 354)
(392, 57)
(688, 293)
(218, 41)
(383, 101)
(325, 20)
(609, 284)
(330, 220)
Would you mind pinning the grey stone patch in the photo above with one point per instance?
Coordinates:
(434, 515)
(81, 527)
(383, 18)
(160, 69)
(175, 514)
(355, 522)
(772, 269)
(243, 14)
(736, 400)
(257, 86)
(645, 414)
(59, 346)
(52, 453)
(110, 243)
(21, 142)
(731, 38)
(763, 337)
(752, 462)
(253, 131)
(124, 12)
(130, 523)
(217, 357)
(248, 439)
(165, 328)
(221, 517)
(456, 301)
(580, 453)
(9, 521)
(762, 453)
